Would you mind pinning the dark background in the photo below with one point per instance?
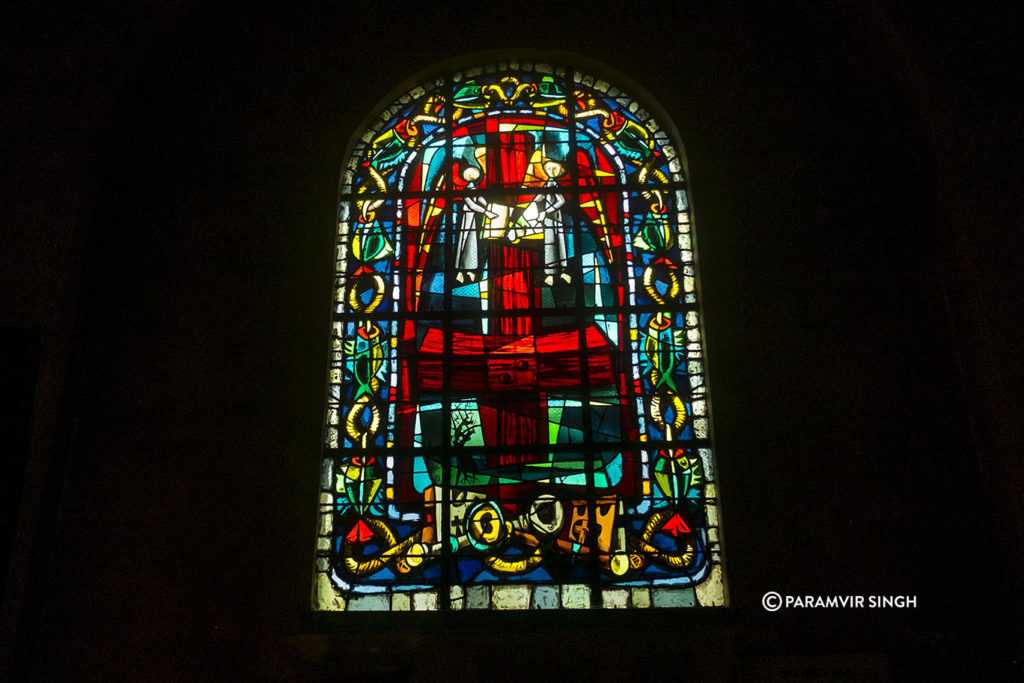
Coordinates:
(168, 212)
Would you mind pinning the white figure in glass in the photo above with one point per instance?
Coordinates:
(550, 220)
(542, 220)
(467, 246)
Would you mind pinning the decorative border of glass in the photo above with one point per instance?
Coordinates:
(517, 413)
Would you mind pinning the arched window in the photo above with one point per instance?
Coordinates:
(517, 414)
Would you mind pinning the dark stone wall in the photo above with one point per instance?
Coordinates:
(169, 211)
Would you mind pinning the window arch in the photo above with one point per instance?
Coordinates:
(517, 412)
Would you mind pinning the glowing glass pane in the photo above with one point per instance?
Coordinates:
(517, 412)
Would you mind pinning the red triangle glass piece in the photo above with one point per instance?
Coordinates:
(676, 526)
(360, 533)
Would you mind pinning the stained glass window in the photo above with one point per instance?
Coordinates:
(517, 413)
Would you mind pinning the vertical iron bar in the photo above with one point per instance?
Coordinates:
(589, 448)
(446, 447)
